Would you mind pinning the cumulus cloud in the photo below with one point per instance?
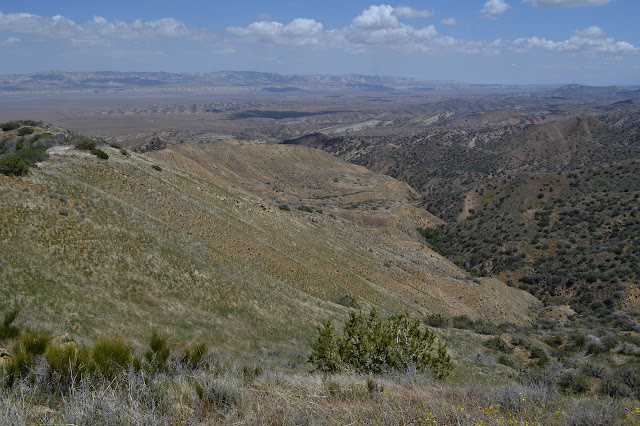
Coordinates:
(299, 32)
(408, 12)
(11, 41)
(449, 21)
(586, 41)
(60, 27)
(380, 27)
(493, 8)
(377, 27)
(567, 3)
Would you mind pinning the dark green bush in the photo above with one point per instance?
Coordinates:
(370, 344)
(33, 154)
(85, 144)
(156, 167)
(7, 329)
(23, 131)
(497, 344)
(100, 154)
(11, 125)
(436, 320)
(284, 207)
(111, 355)
(539, 354)
(13, 165)
(573, 383)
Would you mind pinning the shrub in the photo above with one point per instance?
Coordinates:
(23, 131)
(541, 355)
(284, 207)
(7, 329)
(11, 125)
(13, 165)
(347, 301)
(436, 320)
(156, 167)
(85, 144)
(497, 344)
(573, 383)
(194, 357)
(110, 355)
(65, 361)
(371, 344)
(325, 350)
(33, 154)
(124, 152)
(35, 343)
(100, 154)
(159, 351)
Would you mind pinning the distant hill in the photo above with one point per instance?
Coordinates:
(580, 93)
(551, 207)
(149, 82)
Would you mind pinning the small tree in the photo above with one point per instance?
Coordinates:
(371, 344)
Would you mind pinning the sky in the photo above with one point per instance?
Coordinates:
(593, 42)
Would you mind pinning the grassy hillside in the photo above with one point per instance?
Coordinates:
(129, 243)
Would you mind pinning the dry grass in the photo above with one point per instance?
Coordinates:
(225, 396)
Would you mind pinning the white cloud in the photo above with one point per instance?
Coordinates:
(377, 27)
(567, 3)
(11, 41)
(408, 12)
(449, 21)
(586, 41)
(299, 32)
(60, 27)
(591, 32)
(493, 8)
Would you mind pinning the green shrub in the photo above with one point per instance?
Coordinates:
(284, 207)
(573, 383)
(156, 167)
(7, 329)
(194, 357)
(305, 209)
(33, 154)
(436, 320)
(23, 131)
(66, 360)
(497, 344)
(159, 351)
(539, 354)
(370, 344)
(85, 144)
(111, 355)
(23, 352)
(325, 350)
(13, 165)
(35, 343)
(100, 154)
(11, 125)
(124, 152)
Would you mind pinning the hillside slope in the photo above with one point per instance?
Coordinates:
(200, 248)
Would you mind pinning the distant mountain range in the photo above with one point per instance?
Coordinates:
(108, 81)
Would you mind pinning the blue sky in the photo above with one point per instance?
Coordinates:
(478, 41)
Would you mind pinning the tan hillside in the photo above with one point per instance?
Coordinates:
(201, 249)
